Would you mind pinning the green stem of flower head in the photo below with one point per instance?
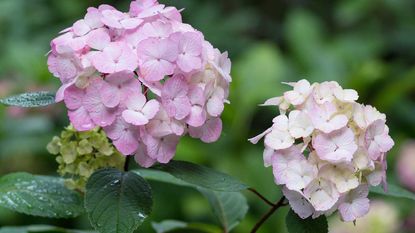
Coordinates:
(264, 218)
(127, 163)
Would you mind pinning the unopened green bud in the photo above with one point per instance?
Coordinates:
(79, 154)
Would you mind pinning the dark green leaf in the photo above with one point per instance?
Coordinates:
(117, 202)
(30, 100)
(178, 226)
(39, 195)
(161, 177)
(229, 207)
(296, 224)
(393, 191)
(202, 176)
(40, 229)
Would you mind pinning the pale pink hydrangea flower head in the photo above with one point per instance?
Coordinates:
(144, 76)
(326, 149)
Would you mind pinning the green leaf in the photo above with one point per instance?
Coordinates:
(30, 100)
(202, 176)
(229, 207)
(393, 191)
(117, 202)
(161, 177)
(39, 195)
(296, 224)
(40, 229)
(179, 226)
(168, 225)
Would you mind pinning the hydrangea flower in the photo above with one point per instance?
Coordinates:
(326, 149)
(143, 76)
(79, 154)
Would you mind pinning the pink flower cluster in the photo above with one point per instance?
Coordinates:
(326, 149)
(144, 76)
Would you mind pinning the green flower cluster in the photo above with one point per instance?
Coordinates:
(79, 154)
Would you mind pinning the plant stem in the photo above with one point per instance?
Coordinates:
(261, 196)
(127, 162)
(264, 218)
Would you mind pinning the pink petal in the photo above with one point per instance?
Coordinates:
(298, 203)
(127, 144)
(209, 132)
(338, 146)
(161, 149)
(174, 87)
(155, 70)
(62, 67)
(81, 120)
(131, 23)
(215, 106)
(111, 18)
(93, 18)
(98, 39)
(127, 61)
(135, 118)
(197, 116)
(80, 28)
(142, 158)
(73, 97)
(188, 63)
(151, 108)
(103, 63)
(109, 95)
(136, 102)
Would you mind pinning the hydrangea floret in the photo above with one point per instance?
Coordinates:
(326, 149)
(143, 76)
(79, 154)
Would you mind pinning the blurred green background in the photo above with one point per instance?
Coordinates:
(368, 45)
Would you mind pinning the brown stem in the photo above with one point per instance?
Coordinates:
(264, 218)
(127, 163)
(261, 196)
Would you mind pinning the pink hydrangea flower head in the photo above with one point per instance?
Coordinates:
(326, 149)
(144, 76)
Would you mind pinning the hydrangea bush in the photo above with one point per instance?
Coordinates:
(135, 82)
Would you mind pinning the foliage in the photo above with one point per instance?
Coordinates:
(39, 195)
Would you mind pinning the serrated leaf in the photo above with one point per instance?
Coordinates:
(229, 207)
(40, 229)
(117, 202)
(179, 226)
(202, 176)
(39, 195)
(30, 100)
(296, 224)
(161, 176)
(393, 191)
